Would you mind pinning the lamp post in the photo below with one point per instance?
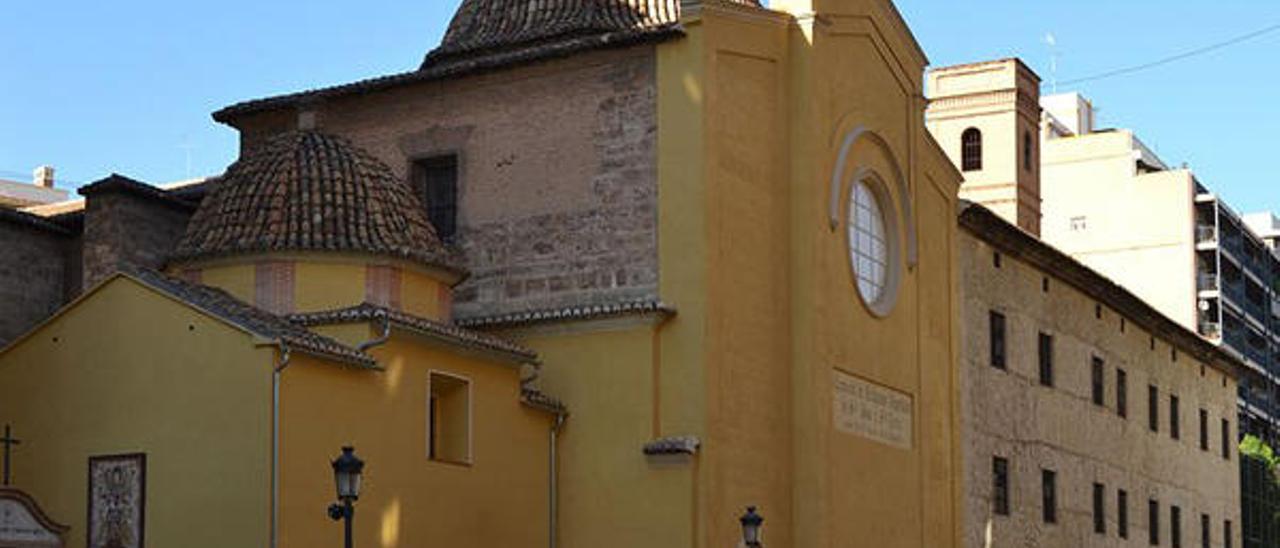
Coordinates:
(346, 475)
(751, 522)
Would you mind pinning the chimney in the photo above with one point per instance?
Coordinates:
(43, 177)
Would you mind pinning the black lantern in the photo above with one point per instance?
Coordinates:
(346, 474)
(751, 522)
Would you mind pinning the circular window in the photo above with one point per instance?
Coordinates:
(872, 247)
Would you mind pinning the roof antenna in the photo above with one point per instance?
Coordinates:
(1052, 41)
(187, 147)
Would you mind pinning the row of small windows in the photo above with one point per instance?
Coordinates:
(971, 150)
(997, 261)
(1098, 370)
(1001, 506)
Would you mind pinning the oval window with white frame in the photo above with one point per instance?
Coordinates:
(873, 244)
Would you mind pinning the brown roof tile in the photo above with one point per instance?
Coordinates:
(450, 333)
(308, 191)
(490, 34)
(222, 305)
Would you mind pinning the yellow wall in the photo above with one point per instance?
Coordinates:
(332, 281)
(500, 499)
(610, 494)
(752, 110)
(129, 370)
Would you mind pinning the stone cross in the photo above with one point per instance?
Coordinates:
(8, 441)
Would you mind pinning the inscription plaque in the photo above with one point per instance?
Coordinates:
(871, 411)
(24, 525)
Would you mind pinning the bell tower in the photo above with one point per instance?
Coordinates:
(986, 116)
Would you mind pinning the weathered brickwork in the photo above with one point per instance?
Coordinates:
(557, 173)
(121, 227)
(32, 277)
(1011, 413)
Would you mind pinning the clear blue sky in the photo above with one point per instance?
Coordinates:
(100, 87)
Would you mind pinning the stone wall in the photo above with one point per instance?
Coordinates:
(32, 277)
(123, 227)
(1009, 413)
(557, 173)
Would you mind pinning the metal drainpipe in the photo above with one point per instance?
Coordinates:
(276, 374)
(382, 339)
(553, 502)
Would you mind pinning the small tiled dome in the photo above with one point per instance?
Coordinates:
(308, 191)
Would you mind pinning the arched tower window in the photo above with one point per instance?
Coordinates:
(1027, 153)
(971, 150)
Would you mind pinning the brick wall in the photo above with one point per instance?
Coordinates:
(557, 173)
(120, 227)
(31, 277)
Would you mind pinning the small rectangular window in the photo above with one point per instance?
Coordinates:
(1099, 397)
(1153, 408)
(1226, 439)
(1046, 359)
(1099, 509)
(1175, 422)
(995, 259)
(1122, 513)
(1122, 393)
(1175, 526)
(448, 419)
(1206, 536)
(1153, 522)
(1204, 430)
(1049, 495)
(1227, 536)
(436, 178)
(997, 340)
(1000, 486)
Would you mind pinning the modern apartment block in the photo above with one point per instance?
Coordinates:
(1106, 199)
(1165, 235)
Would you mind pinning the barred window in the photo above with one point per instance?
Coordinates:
(971, 150)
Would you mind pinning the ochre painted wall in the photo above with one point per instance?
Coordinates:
(610, 493)
(130, 370)
(499, 499)
(754, 110)
(333, 281)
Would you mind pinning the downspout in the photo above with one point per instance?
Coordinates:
(276, 377)
(382, 339)
(553, 494)
(276, 374)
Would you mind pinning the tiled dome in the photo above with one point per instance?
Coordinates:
(307, 191)
(485, 26)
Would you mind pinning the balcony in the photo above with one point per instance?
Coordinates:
(1206, 234)
(1208, 281)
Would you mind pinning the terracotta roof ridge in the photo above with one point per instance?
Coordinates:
(455, 333)
(530, 53)
(570, 313)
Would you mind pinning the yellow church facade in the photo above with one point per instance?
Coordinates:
(697, 261)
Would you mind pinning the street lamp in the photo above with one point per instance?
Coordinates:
(346, 475)
(751, 522)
